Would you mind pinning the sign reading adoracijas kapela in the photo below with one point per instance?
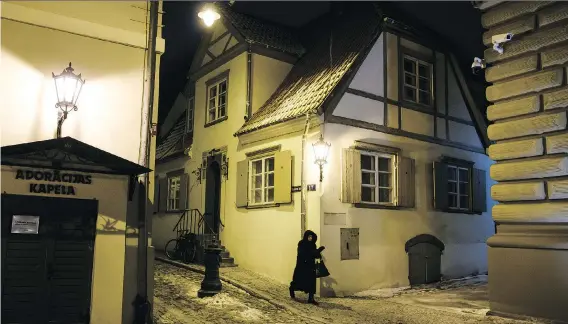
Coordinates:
(60, 181)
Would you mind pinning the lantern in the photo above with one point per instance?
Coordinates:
(68, 86)
(321, 150)
(209, 16)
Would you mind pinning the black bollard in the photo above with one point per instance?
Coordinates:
(211, 284)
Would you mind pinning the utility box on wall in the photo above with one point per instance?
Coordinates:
(349, 238)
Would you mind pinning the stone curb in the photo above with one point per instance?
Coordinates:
(249, 290)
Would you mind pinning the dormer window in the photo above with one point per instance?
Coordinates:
(417, 82)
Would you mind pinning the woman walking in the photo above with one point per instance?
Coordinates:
(304, 278)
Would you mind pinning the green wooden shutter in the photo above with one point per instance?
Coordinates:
(242, 183)
(183, 191)
(156, 194)
(406, 186)
(283, 177)
(163, 194)
(479, 190)
(440, 186)
(351, 176)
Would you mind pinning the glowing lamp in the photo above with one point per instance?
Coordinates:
(209, 16)
(68, 86)
(321, 150)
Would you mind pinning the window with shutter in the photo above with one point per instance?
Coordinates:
(156, 195)
(174, 186)
(265, 179)
(162, 204)
(458, 187)
(377, 177)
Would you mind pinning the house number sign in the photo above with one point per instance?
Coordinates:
(59, 182)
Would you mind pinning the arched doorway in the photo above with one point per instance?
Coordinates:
(213, 194)
(424, 259)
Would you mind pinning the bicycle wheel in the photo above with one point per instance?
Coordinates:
(189, 253)
(171, 249)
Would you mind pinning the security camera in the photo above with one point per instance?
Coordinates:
(499, 39)
(477, 65)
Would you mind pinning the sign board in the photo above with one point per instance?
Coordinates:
(296, 188)
(59, 183)
(311, 187)
(24, 224)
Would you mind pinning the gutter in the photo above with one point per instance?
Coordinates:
(248, 112)
(141, 303)
(303, 213)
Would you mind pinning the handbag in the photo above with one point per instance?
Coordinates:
(321, 270)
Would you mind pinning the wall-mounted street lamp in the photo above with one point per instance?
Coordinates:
(68, 86)
(209, 15)
(321, 149)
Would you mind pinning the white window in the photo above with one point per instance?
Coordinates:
(417, 85)
(377, 182)
(174, 185)
(261, 181)
(189, 115)
(458, 187)
(217, 100)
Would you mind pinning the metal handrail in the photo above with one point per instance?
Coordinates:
(193, 221)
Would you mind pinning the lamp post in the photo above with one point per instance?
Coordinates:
(68, 86)
(321, 149)
(211, 284)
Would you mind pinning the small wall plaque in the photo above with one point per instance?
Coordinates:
(311, 187)
(296, 188)
(24, 224)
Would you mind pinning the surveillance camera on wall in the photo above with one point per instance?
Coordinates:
(477, 65)
(499, 39)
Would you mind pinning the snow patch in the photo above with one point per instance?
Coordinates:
(220, 300)
(252, 314)
(381, 293)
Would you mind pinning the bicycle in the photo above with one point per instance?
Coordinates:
(183, 248)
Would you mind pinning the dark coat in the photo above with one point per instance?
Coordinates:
(304, 278)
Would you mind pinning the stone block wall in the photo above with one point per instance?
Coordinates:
(528, 256)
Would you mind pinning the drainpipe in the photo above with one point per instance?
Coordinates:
(304, 220)
(141, 303)
(248, 112)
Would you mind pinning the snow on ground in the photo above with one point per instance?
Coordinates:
(461, 301)
(176, 302)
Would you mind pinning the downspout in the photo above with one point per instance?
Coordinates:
(141, 303)
(248, 112)
(304, 220)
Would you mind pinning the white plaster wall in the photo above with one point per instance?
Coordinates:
(370, 76)
(361, 108)
(267, 75)
(110, 102)
(456, 103)
(162, 222)
(383, 233)
(464, 134)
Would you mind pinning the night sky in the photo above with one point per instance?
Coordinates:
(458, 22)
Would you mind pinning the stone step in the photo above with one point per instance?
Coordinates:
(227, 260)
(225, 254)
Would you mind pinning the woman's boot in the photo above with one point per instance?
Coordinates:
(292, 293)
(311, 300)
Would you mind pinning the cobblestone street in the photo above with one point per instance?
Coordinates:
(176, 302)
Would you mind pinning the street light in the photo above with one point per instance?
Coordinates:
(68, 86)
(321, 149)
(209, 15)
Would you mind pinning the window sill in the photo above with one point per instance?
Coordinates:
(377, 206)
(216, 121)
(429, 109)
(458, 211)
(271, 205)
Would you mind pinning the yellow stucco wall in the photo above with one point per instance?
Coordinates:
(108, 260)
(105, 41)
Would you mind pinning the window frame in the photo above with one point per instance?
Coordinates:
(176, 199)
(215, 82)
(190, 115)
(264, 187)
(393, 178)
(457, 181)
(416, 75)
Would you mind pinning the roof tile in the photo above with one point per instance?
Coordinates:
(318, 72)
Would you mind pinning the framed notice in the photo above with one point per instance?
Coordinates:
(24, 224)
